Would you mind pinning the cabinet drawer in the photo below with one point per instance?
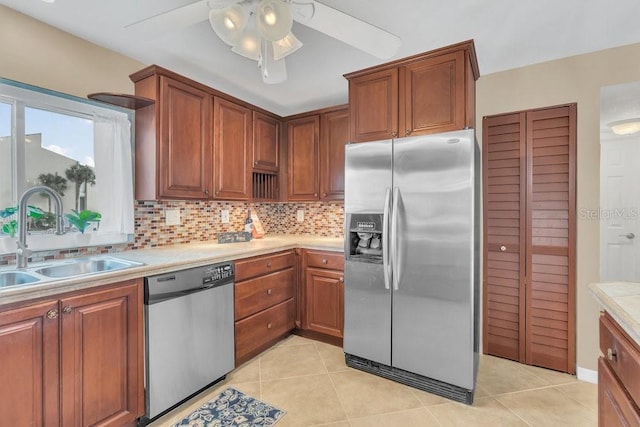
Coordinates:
(329, 260)
(262, 292)
(615, 407)
(255, 333)
(621, 354)
(252, 267)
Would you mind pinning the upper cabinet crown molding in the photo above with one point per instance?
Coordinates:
(427, 93)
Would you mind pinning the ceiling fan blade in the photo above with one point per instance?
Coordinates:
(346, 28)
(180, 17)
(273, 72)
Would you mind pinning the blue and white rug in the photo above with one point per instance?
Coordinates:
(232, 408)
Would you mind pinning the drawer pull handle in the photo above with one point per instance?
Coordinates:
(341, 279)
(52, 314)
(268, 291)
(268, 263)
(503, 248)
(324, 260)
(612, 355)
(67, 310)
(268, 325)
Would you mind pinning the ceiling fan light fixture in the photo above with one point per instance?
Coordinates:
(274, 19)
(248, 45)
(228, 23)
(625, 127)
(285, 46)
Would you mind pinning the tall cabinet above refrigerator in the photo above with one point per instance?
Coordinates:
(411, 261)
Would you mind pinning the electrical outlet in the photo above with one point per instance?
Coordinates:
(300, 215)
(172, 216)
(224, 216)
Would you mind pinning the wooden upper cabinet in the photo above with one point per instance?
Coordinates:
(334, 134)
(266, 143)
(373, 105)
(423, 94)
(303, 158)
(173, 139)
(231, 145)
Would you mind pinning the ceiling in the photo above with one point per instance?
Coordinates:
(507, 34)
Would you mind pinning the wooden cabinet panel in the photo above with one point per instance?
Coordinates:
(373, 106)
(266, 143)
(254, 295)
(29, 392)
(102, 357)
(265, 264)
(303, 158)
(184, 165)
(324, 259)
(623, 357)
(325, 301)
(334, 132)
(434, 95)
(615, 406)
(256, 333)
(231, 144)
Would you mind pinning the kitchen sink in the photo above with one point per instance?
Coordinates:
(13, 278)
(82, 266)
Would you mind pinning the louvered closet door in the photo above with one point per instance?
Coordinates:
(529, 236)
(504, 152)
(550, 238)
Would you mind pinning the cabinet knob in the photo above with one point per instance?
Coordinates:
(341, 279)
(206, 191)
(52, 314)
(611, 355)
(408, 132)
(394, 134)
(67, 310)
(324, 194)
(324, 260)
(255, 163)
(268, 291)
(503, 248)
(268, 264)
(315, 194)
(268, 325)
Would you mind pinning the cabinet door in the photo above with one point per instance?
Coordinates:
(303, 158)
(615, 407)
(29, 392)
(325, 301)
(334, 130)
(102, 357)
(373, 106)
(231, 143)
(433, 98)
(184, 166)
(266, 143)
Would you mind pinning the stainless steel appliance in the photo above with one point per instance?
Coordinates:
(189, 334)
(411, 261)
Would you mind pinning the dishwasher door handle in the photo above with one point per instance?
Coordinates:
(156, 298)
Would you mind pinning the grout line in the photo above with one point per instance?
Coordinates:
(513, 412)
(344, 410)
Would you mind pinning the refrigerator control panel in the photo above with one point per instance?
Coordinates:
(365, 237)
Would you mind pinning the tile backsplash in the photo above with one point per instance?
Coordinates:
(200, 222)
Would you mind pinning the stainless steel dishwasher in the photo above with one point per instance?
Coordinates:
(189, 334)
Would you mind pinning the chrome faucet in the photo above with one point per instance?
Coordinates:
(23, 253)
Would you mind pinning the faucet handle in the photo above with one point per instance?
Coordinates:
(23, 250)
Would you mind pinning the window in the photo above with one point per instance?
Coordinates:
(76, 148)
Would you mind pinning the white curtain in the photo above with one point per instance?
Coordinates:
(114, 173)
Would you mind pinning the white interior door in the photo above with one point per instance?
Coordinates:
(618, 215)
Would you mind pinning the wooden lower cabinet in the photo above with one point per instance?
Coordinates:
(618, 373)
(322, 295)
(264, 302)
(74, 361)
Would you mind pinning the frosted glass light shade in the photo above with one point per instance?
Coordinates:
(285, 46)
(625, 127)
(274, 19)
(228, 23)
(248, 45)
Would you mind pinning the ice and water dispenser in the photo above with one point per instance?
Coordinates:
(365, 238)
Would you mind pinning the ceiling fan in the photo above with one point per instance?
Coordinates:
(261, 29)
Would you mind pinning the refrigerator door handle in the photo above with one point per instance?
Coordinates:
(385, 239)
(395, 274)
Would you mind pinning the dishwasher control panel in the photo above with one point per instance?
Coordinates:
(217, 273)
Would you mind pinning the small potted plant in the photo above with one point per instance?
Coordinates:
(10, 227)
(81, 220)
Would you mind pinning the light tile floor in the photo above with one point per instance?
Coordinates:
(310, 381)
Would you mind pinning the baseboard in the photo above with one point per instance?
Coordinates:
(587, 375)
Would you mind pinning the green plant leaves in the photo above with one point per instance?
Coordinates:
(81, 220)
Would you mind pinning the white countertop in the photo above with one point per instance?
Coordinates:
(166, 259)
(622, 301)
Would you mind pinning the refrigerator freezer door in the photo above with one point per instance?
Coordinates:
(367, 306)
(432, 327)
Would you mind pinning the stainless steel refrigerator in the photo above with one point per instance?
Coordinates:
(411, 261)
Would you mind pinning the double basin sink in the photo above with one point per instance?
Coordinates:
(66, 269)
